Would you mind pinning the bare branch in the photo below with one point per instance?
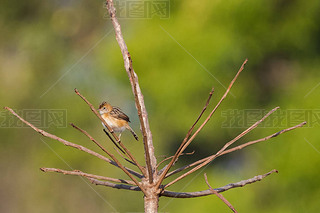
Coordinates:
(219, 195)
(67, 143)
(115, 143)
(128, 153)
(126, 159)
(184, 146)
(234, 140)
(98, 144)
(219, 190)
(168, 158)
(178, 153)
(192, 127)
(263, 139)
(90, 137)
(246, 131)
(83, 174)
(139, 100)
(235, 149)
(113, 185)
(109, 153)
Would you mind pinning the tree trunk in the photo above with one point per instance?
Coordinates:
(151, 203)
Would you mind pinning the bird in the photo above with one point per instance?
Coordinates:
(117, 120)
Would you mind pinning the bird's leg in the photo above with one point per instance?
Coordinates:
(119, 138)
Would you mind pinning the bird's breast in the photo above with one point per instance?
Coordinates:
(116, 124)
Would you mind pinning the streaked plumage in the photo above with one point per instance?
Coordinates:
(115, 118)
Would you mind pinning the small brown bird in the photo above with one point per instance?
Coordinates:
(115, 118)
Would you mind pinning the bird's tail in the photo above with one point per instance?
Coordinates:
(133, 133)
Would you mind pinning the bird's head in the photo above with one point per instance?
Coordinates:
(104, 107)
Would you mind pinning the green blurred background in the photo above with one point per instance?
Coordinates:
(48, 48)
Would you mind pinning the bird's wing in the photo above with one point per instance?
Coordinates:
(117, 113)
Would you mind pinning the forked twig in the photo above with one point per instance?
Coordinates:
(219, 195)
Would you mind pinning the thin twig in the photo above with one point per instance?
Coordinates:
(80, 173)
(219, 195)
(90, 137)
(109, 153)
(262, 139)
(207, 160)
(246, 131)
(113, 185)
(194, 124)
(168, 158)
(67, 143)
(128, 153)
(139, 100)
(219, 190)
(115, 143)
(184, 146)
(126, 159)
(178, 153)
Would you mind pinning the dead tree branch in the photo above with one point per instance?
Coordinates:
(225, 146)
(67, 143)
(115, 143)
(166, 193)
(87, 175)
(172, 194)
(178, 153)
(168, 158)
(139, 100)
(236, 148)
(113, 185)
(123, 157)
(186, 144)
(108, 153)
(219, 190)
(211, 158)
(219, 195)
(246, 131)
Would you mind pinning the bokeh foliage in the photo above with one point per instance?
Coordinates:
(48, 48)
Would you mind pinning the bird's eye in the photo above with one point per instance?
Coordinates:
(104, 108)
